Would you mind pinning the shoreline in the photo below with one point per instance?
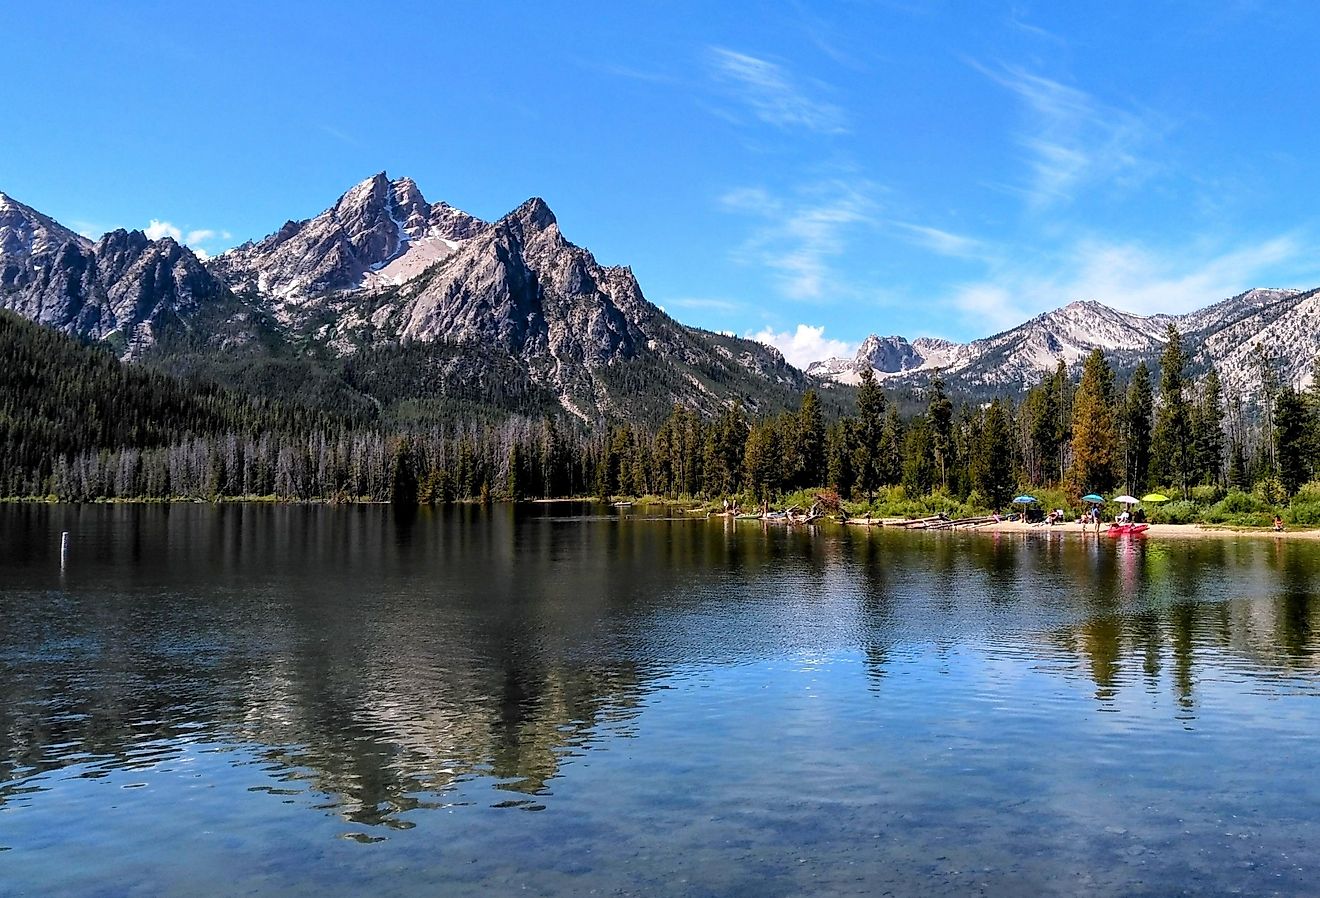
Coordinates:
(1155, 531)
(1175, 531)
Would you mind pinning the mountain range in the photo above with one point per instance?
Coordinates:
(388, 303)
(386, 298)
(1285, 324)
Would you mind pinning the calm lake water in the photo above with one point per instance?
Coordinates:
(556, 699)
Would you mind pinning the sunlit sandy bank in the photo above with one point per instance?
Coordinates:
(1156, 531)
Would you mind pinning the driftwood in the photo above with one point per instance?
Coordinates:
(962, 522)
(922, 523)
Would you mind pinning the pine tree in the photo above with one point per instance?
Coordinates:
(403, 476)
(1313, 403)
(889, 454)
(515, 484)
(1292, 436)
(1045, 409)
(761, 462)
(1208, 429)
(1138, 407)
(940, 415)
(1171, 440)
(993, 470)
(811, 441)
(867, 433)
(838, 450)
(1268, 380)
(1094, 436)
(919, 469)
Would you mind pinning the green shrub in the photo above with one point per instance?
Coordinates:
(1270, 491)
(1305, 508)
(1207, 494)
(1180, 511)
(1241, 509)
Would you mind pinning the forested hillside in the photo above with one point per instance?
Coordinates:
(78, 424)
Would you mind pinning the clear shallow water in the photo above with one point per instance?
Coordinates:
(267, 700)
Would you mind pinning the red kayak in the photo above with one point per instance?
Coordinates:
(1128, 529)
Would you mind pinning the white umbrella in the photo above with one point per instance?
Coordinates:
(1127, 500)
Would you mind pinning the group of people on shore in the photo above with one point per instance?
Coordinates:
(1092, 517)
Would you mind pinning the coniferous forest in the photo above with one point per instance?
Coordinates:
(76, 424)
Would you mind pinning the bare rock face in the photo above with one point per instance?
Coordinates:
(1284, 323)
(27, 234)
(124, 285)
(884, 356)
(383, 266)
(379, 233)
(522, 287)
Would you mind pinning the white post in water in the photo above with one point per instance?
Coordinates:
(64, 548)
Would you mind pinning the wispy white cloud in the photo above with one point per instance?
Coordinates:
(193, 239)
(338, 134)
(159, 230)
(799, 236)
(804, 345)
(89, 229)
(1073, 140)
(1016, 20)
(648, 76)
(706, 304)
(773, 95)
(945, 243)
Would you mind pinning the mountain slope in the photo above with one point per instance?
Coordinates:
(383, 267)
(124, 288)
(503, 317)
(379, 233)
(26, 233)
(1285, 322)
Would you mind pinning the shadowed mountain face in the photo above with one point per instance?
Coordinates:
(379, 233)
(1284, 323)
(383, 269)
(124, 288)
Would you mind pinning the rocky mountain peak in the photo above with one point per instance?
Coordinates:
(25, 232)
(534, 214)
(365, 195)
(380, 232)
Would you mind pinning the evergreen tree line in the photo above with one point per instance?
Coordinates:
(1083, 435)
(76, 424)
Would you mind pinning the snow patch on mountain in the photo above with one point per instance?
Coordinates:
(380, 233)
(1286, 323)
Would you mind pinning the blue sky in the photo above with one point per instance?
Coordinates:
(809, 173)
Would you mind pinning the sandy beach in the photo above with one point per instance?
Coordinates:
(1156, 531)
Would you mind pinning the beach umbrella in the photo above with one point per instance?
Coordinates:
(1154, 497)
(1024, 500)
(1126, 500)
(1093, 499)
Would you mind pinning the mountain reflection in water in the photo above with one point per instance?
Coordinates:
(389, 670)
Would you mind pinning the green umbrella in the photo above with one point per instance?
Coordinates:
(1154, 497)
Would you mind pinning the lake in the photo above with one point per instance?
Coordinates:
(561, 699)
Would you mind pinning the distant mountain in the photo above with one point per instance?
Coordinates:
(124, 288)
(380, 233)
(1286, 323)
(500, 315)
(25, 234)
(886, 355)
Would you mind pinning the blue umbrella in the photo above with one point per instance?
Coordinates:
(1024, 499)
(1092, 497)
